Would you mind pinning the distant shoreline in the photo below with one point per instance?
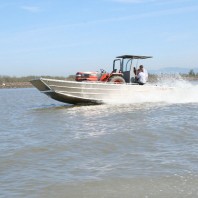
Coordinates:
(27, 84)
(15, 85)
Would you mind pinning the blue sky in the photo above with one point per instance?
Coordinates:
(61, 37)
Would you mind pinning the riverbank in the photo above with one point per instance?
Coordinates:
(15, 85)
(24, 82)
(27, 84)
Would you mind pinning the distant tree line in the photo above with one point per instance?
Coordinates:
(192, 73)
(14, 79)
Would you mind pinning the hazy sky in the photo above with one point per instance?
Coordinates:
(61, 37)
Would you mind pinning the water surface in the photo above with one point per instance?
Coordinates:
(51, 149)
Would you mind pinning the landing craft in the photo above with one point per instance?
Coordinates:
(95, 87)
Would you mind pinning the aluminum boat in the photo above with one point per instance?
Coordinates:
(73, 92)
(119, 84)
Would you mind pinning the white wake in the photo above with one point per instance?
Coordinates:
(183, 91)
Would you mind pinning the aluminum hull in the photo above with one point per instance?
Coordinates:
(73, 92)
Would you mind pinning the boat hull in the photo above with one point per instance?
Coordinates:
(73, 92)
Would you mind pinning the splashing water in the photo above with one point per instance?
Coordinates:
(172, 80)
(168, 89)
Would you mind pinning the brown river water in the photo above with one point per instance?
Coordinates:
(121, 149)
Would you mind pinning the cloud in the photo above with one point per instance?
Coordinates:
(32, 9)
(148, 1)
(134, 1)
(158, 13)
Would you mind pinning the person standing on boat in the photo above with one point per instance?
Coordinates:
(142, 75)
